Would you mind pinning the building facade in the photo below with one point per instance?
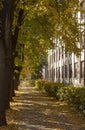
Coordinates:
(64, 66)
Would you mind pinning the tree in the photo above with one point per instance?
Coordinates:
(7, 54)
(55, 19)
(47, 20)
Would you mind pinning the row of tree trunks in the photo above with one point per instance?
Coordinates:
(7, 56)
(5, 59)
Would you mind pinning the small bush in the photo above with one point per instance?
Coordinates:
(70, 94)
(40, 84)
(50, 87)
(73, 95)
(32, 82)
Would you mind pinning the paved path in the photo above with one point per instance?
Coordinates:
(34, 110)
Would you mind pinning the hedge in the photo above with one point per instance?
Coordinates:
(70, 94)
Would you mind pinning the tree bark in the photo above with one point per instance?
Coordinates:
(2, 85)
(5, 57)
(7, 48)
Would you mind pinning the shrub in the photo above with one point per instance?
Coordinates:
(50, 87)
(40, 84)
(80, 98)
(32, 82)
(73, 95)
(70, 94)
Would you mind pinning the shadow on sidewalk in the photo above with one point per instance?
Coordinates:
(33, 110)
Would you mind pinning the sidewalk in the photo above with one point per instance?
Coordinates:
(34, 110)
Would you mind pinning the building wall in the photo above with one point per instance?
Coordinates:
(65, 67)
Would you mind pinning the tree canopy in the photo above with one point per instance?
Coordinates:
(45, 20)
(36, 23)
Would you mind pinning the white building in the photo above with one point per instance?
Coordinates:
(66, 67)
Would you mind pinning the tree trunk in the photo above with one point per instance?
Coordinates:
(7, 18)
(2, 86)
(7, 48)
(5, 58)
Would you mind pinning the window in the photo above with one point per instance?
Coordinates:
(62, 52)
(54, 56)
(82, 40)
(59, 53)
(82, 6)
(82, 69)
(50, 74)
(59, 73)
(62, 71)
(50, 59)
(66, 54)
(70, 70)
(70, 53)
(65, 71)
(56, 72)
(75, 70)
(53, 72)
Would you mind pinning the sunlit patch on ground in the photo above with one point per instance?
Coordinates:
(33, 110)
